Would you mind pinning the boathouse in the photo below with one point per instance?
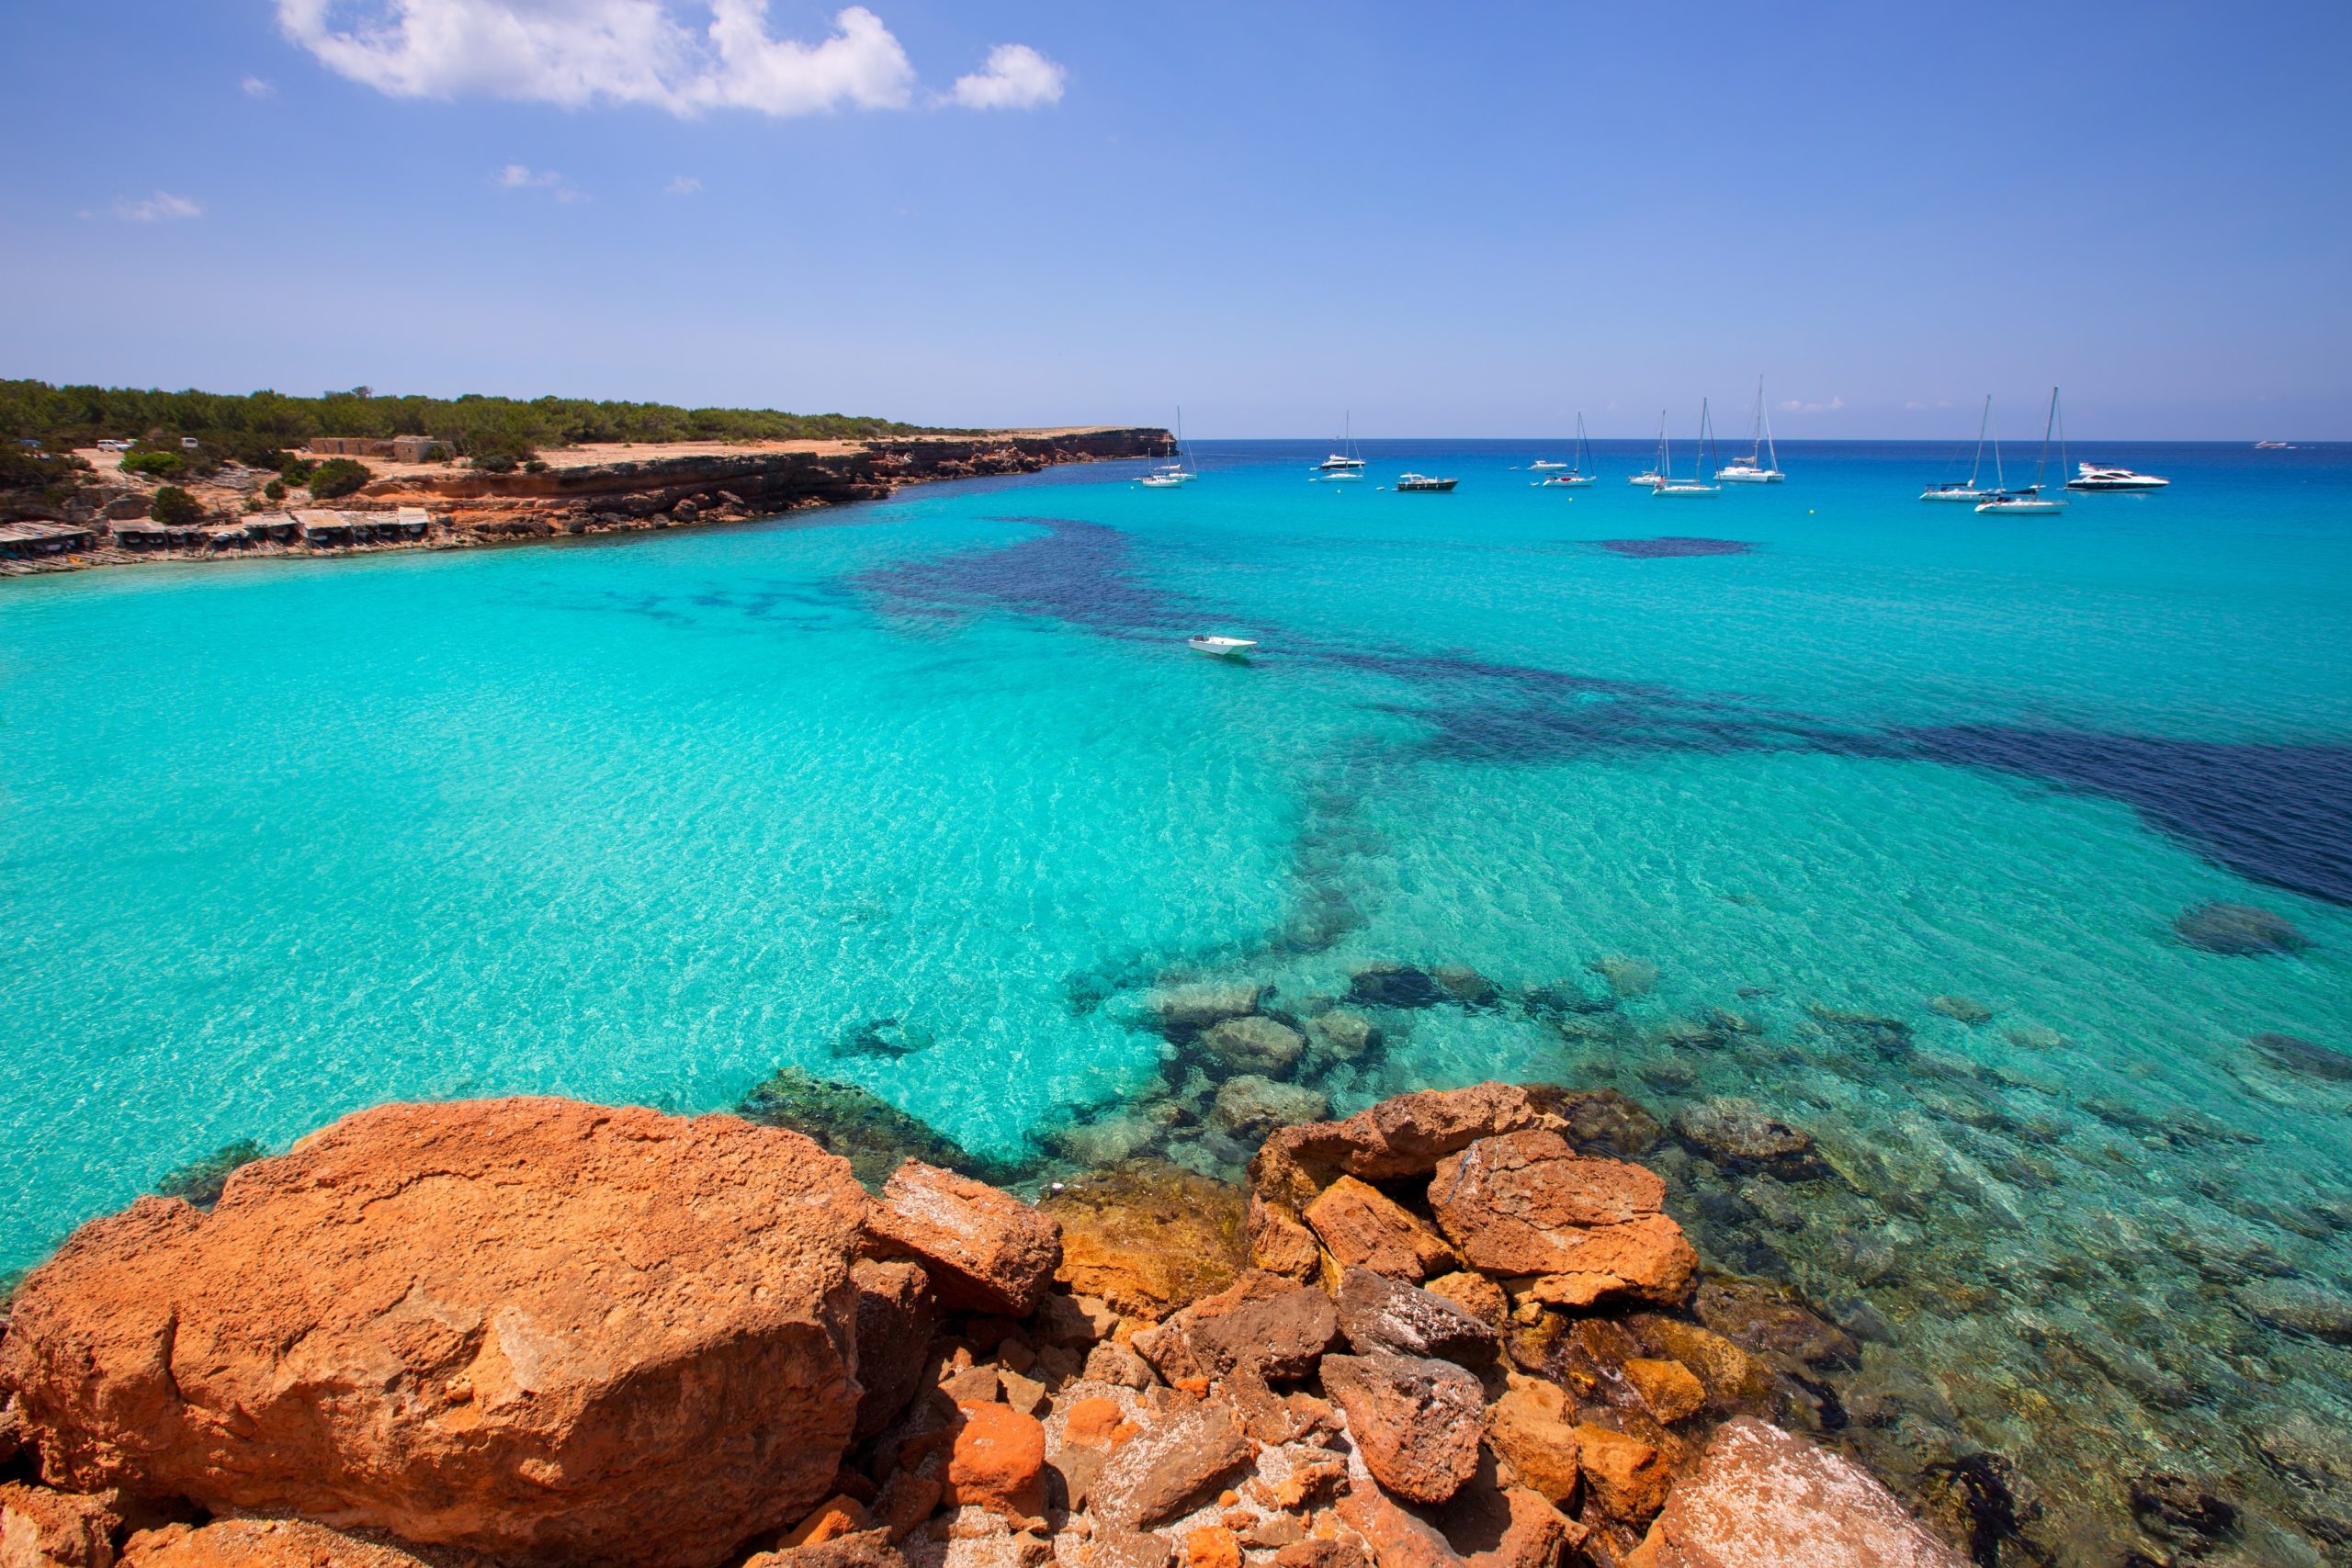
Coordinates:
(23, 541)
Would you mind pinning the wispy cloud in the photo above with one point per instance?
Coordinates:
(1915, 406)
(159, 208)
(683, 184)
(1014, 77)
(256, 87)
(1795, 405)
(521, 177)
(682, 56)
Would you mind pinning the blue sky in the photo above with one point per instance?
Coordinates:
(1464, 221)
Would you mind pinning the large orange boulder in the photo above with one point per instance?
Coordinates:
(1403, 1136)
(985, 1250)
(546, 1331)
(1525, 1203)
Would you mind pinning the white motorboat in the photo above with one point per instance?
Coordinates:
(1965, 489)
(2031, 499)
(2092, 475)
(1669, 487)
(1221, 647)
(1545, 465)
(1762, 464)
(2260, 446)
(1409, 483)
(1161, 478)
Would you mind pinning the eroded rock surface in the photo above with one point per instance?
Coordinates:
(1525, 1204)
(1417, 1422)
(985, 1251)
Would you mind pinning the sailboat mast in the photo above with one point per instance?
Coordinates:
(1982, 420)
(1771, 453)
(2048, 425)
(1665, 449)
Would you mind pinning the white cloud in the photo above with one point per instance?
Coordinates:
(1015, 78)
(255, 87)
(684, 185)
(521, 177)
(155, 209)
(1832, 406)
(682, 56)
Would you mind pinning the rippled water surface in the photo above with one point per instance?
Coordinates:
(644, 819)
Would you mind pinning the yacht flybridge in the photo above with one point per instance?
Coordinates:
(2091, 476)
(1344, 464)
(2031, 498)
(1762, 464)
(1696, 485)
(1965, 489)
(1579, 473)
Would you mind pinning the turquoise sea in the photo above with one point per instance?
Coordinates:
(645, 818)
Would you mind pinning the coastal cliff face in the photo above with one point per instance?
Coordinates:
(535, 1332)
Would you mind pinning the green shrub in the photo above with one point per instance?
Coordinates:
(496, 462)
(176, 508)
(536, 466)
(275, 490)
(295, 470)
(153, 461)
(338, 476)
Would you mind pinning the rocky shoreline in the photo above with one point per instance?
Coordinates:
(1452, 1329)
(462, 508)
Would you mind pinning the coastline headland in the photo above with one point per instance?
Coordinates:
(594, 489)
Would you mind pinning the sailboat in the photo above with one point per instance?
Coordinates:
(1581, 473)
(1955, 490)
(1344, 464)
(2031, 499)
(1659, 469)
(1667, 485)
(1183, 471)
(1762, 464)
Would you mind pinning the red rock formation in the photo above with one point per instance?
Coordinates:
(547, 1331)
(1364, 1228)
(1416, 1421)
(987, 1250)
(1399, 1137)
(1525, 1204)
(1272, 1326)
(276, 1543)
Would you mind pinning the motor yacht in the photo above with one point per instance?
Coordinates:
(1424, 484)
(2094, 476)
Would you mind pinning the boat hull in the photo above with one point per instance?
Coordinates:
(2038, 507)
(2117, 484)
(1434, 487)
(1972, 496)
(1749, 479)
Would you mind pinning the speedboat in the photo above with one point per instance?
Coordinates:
(1422, 482)
(2260, 446)
(2092, 476)
(1221, 647)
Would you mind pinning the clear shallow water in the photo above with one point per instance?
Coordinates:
(642, 820)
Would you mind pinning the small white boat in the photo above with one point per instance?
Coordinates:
(2092, 476)
(1544, 466)
(1579, 473)
(1344, 464)
(1669, 487)
(2031, 499)
(1965, 489)
(1655, 475)
(1221, 647)
(1762, 464)
(1422, 483)
(1160, 479)
(1183, 471)
(1563, 481)
(2260, 446)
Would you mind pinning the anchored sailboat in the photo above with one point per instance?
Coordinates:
(1344, 464)
(1183, 471)
(1659, 469)
(2031, 499)
(1762, 464)
(1966, 489)
(1667, 485)
(1581, 473)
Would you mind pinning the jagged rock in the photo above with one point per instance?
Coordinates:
(1525, 1204)
(1161, 1471)
(997, 1462)
(1771, 1318)
(1114, 1548)
(279, 1543)
(1275, 1327)
(1400, 1137)
(896, 1311)
(1740, 1134)
(1533, 1426)
(1417, 1422)
(1205, 1004)
(2308, 1057)
(1735, 1381)
(1316, 1552)
(1399, 1538)
(1761, 1496)
(1117, 1365)
(1671, 1389)
(1253, 1106)
(1109, 1140)
(861, 1548)
(696, 1267)
(2237, 930)
(1600, 1121)
(1364, 1228)
(1628, 1477)
(1255, 1044)
(1473, 1293)
(1149, 1238)
(41, 1529)
(1394, 986)
(1377, 1314)
(1210, 1546)
(1346, 1035)
(985, 1250)
(1074, 1320)
(1280, 1241)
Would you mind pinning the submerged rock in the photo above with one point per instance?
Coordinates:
(1890, 1038)
(1628, 976)
(1346, 1035)
(862, 1128)
(2036, 1037)
(2309, 1057)
(640, 1262)
(1395, 985)
(1740, 1134)
(2305, 1309)
(1252, 1105)
(1205, 1004)
(200, 1181)
(1762, 1495)
(1600, 1120)
(2237, 930)
(884, 1037)
(1963, 1009)
(1466, 985)
(1149, 1236)
(1255, 1044)
(1566, 999)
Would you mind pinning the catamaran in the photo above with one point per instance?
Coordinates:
(1183, 471)
(1762, 464)
(1955, 490)
(1659, 470)
(2031, 498)
(1667, 485)
(1344, 464)
(1579, 474)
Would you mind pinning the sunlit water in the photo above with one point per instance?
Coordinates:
(644, 819)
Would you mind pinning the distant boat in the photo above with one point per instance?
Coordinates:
(1762, 464)
(2092, 476)
(1344, 464)
(1183, 471)
(2272, 447)
(1581, 473)
(2031, 498)
(1423, 483)
(1658, 472)
(1967, 490)
(1221, 647)
(1696, 485)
